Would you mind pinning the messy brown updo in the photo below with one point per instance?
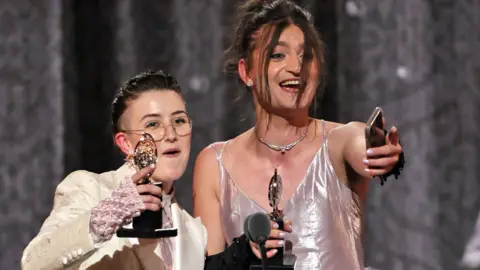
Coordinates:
(259, 26)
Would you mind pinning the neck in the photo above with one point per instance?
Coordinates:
(279, 130)
(167, 187)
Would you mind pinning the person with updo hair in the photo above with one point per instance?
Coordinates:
(278, 55)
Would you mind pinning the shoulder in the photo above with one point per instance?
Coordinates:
(208, 159)
(84, 186)
(84, 180)
(77, 179)
(77, 187)
(344, 131)
(353, 126)
(340, 134)
(209, 154)
(206, 166)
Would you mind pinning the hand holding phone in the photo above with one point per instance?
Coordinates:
(385, 155)
(375, 129)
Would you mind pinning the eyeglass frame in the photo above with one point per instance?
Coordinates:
(133, 131)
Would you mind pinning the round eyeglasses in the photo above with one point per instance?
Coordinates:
(182, 125)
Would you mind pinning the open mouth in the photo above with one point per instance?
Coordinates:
(171, 152)
(290, 85)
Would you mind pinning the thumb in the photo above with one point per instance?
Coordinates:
(392, 136)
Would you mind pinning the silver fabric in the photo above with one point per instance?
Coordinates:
(326, 216)
(471, 256)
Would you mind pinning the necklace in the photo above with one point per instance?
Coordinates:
(283, 148)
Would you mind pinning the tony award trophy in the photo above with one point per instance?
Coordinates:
(280, 260)
(149, 223)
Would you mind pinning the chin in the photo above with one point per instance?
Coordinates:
(167, 176)
(290, 106)
(287, 103)
(169, 172)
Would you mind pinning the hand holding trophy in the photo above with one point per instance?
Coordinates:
(149, 223)
(275, 189)
(279, 260)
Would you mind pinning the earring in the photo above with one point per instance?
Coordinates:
(249, 83)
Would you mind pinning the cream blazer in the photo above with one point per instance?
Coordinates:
(64, 241)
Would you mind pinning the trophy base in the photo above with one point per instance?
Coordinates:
(288, 263)
(152, 234)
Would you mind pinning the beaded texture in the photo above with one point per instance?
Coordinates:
(115, 211)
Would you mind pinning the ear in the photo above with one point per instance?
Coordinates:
(122, 142)
(243, 72)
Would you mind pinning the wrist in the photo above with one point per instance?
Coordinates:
(115, 211)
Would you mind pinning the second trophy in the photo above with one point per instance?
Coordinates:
(279, 261)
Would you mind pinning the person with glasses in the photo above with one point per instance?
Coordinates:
(89, 208)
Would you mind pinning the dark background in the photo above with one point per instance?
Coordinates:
(60, 62)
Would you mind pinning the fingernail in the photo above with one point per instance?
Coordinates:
(280, 243)
(281, 235)
(365, 161)
(274, 251)
(369, 151)
(367, 170)
(152, 165)
(275, 225)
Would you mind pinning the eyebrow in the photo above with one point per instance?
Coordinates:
(178, 112)
(160, 115)
(284, 44)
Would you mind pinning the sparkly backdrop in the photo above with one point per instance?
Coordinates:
(60, 62)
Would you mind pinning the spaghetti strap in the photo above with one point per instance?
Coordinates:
(223, 148)
(219, 150)
(219, 147)
(324, 130)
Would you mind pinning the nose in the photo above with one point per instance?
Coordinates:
(170, 134)
(294, 64)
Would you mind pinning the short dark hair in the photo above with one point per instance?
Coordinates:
(135, 86)
(276, 15)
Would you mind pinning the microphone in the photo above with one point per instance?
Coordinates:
(245, 228)
(257, 229)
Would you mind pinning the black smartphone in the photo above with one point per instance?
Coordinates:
(374, 132)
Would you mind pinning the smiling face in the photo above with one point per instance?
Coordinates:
(288, 88)
(162, 114)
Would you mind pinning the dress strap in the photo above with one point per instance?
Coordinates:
(219, 147)
(324, 130)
